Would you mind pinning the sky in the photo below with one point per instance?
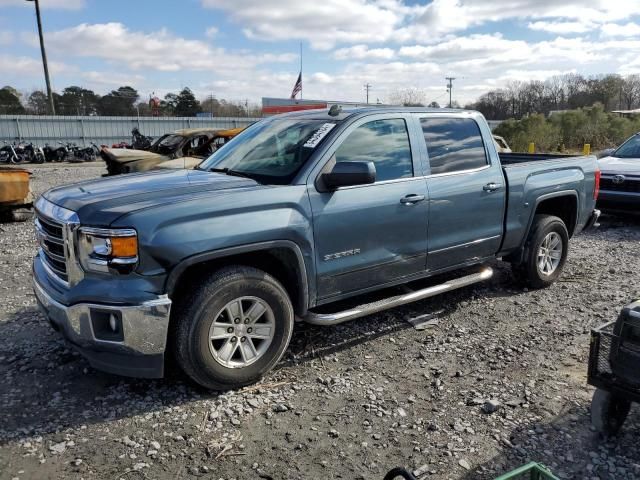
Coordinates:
(248, 49)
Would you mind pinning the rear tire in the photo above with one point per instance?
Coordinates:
(545, 252)
(217, 341)
(608, 412)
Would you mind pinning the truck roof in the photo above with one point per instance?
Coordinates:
(349, 111)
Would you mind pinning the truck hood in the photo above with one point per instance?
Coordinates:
(622, 166)
(125, 155)
(100, 202)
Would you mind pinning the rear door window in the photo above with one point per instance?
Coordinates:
(453, 144)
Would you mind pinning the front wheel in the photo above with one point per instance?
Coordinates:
(608, 412)
(233, 328)
(545, 252)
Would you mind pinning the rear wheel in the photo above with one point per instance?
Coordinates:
(608, 412)
(545, 252)
(233, 328)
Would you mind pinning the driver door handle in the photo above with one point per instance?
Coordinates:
(491, 187)
(411, 199)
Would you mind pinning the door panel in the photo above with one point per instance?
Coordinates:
(368, 235)
(465, 221)
(365, 236)
(467, 192)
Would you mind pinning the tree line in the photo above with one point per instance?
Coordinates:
(564, 92)
(124, 101)
(569, 130)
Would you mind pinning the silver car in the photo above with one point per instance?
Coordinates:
(620, 181)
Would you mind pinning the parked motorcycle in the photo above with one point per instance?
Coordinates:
(32, 154)
(9, 153)
(140, 141)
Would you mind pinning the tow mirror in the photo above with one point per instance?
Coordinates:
(345, 174)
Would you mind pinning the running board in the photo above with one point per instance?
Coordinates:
(392, 302)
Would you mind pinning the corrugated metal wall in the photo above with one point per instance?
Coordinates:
(39, 129)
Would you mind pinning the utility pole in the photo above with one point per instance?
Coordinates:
(450, 87)
(44, 58)
(367, 87)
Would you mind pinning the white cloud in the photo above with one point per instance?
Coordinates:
(19, 66)
(161, 50)
(211, 32)
(630, 29)
(560, 27)
(6, 37)
(52, 4)
(112, 79)
(360, 52)
(324, 24)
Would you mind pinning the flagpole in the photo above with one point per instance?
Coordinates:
(300, 70)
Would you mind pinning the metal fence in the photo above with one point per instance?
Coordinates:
(42, 129)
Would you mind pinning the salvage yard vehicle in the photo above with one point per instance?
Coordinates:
(297, 217)
(189, 146)
(620, 187)
(15, 194)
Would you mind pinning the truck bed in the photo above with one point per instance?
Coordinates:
(514, 158)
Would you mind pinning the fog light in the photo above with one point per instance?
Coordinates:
(113, 323)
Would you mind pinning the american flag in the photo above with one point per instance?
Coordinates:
(297, 88)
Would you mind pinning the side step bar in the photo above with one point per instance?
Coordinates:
(392, 302)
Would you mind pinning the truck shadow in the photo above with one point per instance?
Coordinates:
(567, 445)
(49, 387)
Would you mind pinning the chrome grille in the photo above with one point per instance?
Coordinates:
(52, 249)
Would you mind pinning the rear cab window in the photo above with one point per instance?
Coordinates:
(453, 144)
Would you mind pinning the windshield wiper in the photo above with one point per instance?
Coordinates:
(233, 173)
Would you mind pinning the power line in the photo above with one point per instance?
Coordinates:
(367, 87)
(450, 87)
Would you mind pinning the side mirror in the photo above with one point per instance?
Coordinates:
(345, 174)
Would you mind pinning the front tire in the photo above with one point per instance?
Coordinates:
(233, 328)
(545, 252)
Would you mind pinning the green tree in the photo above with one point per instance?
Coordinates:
(37, 103)
(186, 104)
(77, 101)
(119, 102)
(10, 101)
(168, 104)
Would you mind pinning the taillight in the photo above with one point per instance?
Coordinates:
(596, 188)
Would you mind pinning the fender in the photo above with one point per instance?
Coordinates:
(180, 268)
(516, 255)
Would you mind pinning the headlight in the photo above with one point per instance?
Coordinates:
(101, 249)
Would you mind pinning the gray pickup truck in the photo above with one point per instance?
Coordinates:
(295, 219)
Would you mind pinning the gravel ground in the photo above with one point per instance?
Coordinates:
(350, 401)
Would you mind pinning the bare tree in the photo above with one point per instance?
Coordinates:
(631, 91)
(409, 97)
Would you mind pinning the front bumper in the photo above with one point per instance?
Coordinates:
(619, 201)
(137, 350)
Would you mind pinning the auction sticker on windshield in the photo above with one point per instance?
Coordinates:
(317, 137)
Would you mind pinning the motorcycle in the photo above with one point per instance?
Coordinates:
(10, 153)
(140, 141)
(33, 154)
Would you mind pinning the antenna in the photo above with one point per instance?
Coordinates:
(450, 87)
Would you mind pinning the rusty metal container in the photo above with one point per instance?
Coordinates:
(14, 186)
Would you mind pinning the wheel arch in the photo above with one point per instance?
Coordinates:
(281, 258)
(562, 204)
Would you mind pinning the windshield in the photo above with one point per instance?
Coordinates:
(169, 144)
(629, 149)
(270, 151)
